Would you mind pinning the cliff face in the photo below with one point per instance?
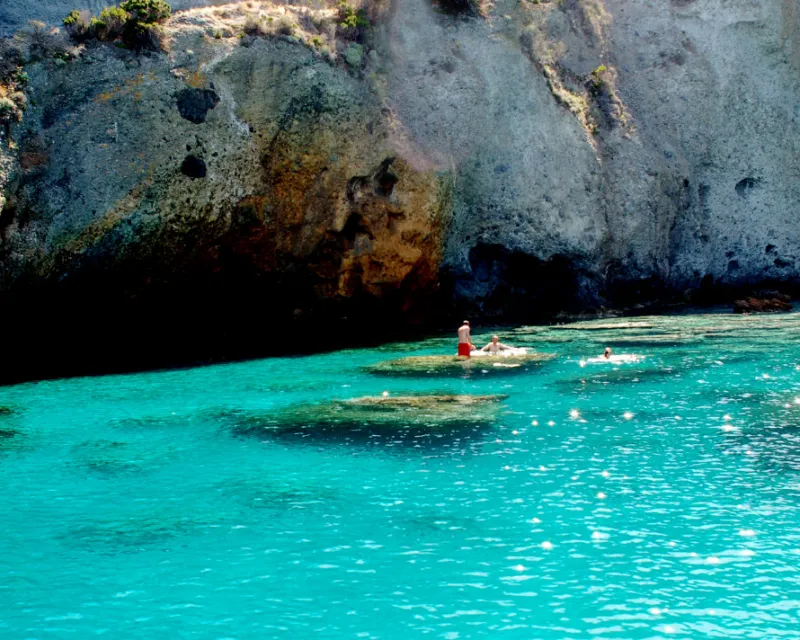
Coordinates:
(612, 148)
(546, 155)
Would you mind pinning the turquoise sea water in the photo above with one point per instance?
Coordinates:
(657, 499)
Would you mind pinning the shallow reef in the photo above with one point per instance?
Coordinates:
(400, 419)
(133, 533)
(449, 365)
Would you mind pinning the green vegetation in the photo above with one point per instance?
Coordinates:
(350, 18)
(134, 23)
(354, 55)
(353, 22)
(146, 12)
(110, 24)
(596, 81)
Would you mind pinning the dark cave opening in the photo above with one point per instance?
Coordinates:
(516, 286)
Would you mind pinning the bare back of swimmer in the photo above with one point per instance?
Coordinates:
(465, 345)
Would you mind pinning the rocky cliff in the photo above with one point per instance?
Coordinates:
(273, 171)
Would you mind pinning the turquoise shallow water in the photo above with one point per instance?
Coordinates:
(663, 500)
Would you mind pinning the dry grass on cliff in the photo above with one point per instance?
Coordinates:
(320, 27)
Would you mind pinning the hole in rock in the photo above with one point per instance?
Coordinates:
(465, 8)
(193, 167)
(746, 185)
(385, 179)
(194, 104)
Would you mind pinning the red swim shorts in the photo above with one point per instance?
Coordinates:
(463, 349)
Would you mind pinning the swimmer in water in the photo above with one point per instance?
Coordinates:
(607, 353)
(495, 346)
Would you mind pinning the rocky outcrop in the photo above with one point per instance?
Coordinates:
(510, 160)
(425, 366)
(763, 302)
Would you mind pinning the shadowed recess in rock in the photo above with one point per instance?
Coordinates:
(514, 284)
(194, 104)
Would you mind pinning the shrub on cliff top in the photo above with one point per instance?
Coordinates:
(135, 22)
(147, 12)
(352, 22)
(78, 25)
(110, 24)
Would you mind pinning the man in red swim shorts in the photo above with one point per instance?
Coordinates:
(464, 340)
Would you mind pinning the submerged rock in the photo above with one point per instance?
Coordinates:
(602, 326)
(368, 415)
(443, 365)
(653, 340)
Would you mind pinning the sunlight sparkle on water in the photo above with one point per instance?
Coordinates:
(248, 501)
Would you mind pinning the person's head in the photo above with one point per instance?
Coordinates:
(466, 322)
(495, 338)
(607, 352)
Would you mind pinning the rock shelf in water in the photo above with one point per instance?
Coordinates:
(602, 326)
(394, 412)
(438, 365)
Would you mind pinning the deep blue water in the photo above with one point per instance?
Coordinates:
(663, 500)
